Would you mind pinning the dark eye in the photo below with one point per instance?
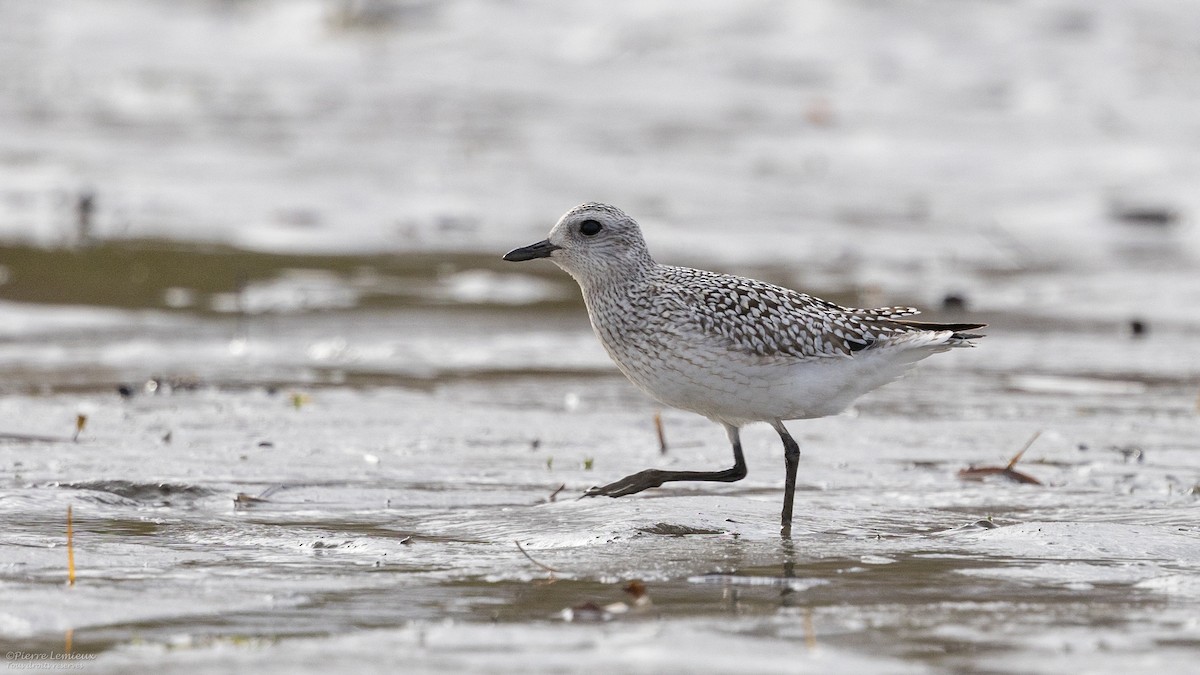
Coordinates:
(589, 227)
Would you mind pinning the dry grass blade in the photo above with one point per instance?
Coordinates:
(80, 423)
(70, 548)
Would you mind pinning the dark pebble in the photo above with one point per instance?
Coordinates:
(954, 302)
(1146, 215)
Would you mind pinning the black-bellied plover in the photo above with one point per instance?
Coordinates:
(730, 348)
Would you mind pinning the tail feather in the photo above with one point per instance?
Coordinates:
(957, 328)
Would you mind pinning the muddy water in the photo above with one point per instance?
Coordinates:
(293, 485)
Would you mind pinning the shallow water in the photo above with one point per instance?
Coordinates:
(323, 419)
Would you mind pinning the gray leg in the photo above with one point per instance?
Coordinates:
(791, 460)
(652, 478)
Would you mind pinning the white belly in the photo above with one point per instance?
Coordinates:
(737, 388)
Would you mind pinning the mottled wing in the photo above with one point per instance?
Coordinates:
(884, 312)
(769, 321)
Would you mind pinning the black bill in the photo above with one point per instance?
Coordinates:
(542, 249)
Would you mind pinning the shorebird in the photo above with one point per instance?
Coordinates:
(732, 349)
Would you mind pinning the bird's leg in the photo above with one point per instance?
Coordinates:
(791, 460)
(652, 478)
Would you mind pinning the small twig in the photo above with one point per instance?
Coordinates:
(1017, 457)
(979, 473)
(982, 472)
(554, 495)
(270, 491)
(529, 557)
(662, 436)
(245, 501)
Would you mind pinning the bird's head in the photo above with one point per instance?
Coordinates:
(593, 242)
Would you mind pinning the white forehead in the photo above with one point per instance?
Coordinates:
(601, 212)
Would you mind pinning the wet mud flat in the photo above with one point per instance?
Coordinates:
(395, 486)
(388, 527)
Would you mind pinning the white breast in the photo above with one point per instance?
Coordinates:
(692, 372)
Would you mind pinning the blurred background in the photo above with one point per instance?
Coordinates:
(236, 158)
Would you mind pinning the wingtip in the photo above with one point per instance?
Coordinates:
(934, 325)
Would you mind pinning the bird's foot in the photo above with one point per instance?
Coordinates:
(632, 484)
